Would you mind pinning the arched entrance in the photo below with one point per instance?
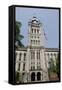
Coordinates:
(32, 76)
(38, 76)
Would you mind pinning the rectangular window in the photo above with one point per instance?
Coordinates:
(19, 67)
(38, 55)
(32, 67)
(38, 42)
(23, 66)
(32, 55)
(16, 55)
(20, 57)
(38, 67)
(32, 30)
(34, 41)
(24, 56)
(37, 31)
(31, 41)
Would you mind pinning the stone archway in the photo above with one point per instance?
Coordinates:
(38, 76)
(33, 76)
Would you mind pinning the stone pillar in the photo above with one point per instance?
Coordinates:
(17, 61)
(41, 76)
(25, 77)
(42, 38)
(35, 59)
(28, 77)
(42, 58)
(46, 57)
(29, 31)
(28, 60)
(20, 77)
(22, 58)
(48, 60)
(35, 76)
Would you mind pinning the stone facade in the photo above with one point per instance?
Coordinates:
(32, 62)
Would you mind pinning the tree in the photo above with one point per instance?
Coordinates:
(19, 78)
(57, 66)
(54, 68)
(19, 37)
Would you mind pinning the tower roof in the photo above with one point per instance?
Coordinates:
(34, 20)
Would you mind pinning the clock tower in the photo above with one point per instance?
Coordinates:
(35, 33)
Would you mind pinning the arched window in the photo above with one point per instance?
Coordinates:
(38, 76)
(32, 30)
(32, 76)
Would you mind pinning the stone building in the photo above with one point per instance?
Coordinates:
(32, 62)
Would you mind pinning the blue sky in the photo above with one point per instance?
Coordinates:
(49, 18)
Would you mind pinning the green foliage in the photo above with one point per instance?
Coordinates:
(19, 37)
(54, 68)
(17, 76)
(57, 66)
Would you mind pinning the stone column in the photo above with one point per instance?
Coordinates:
(35, 76)
(28, 60)
(29, 31)
(41, 76)
(42, 58)
(49, 60)
(42, 38)
(47, 65)
(22, 58)
(17, 61)
(35, 59)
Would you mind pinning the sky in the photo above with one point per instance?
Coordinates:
(48, 17)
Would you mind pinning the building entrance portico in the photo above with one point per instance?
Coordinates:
(35, 76)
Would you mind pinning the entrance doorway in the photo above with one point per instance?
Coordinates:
(38, 76)
(33, 76)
